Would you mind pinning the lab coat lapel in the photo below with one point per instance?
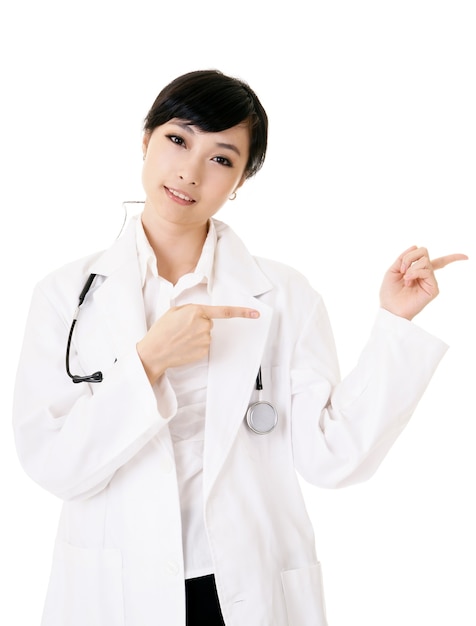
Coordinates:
(236, 349)
(119, 298)
(237, 344)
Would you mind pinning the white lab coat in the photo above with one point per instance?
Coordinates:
(105, 448)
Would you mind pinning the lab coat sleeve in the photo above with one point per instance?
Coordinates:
(342, 430)
(71, 438)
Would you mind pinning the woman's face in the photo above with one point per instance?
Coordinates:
(189, 174)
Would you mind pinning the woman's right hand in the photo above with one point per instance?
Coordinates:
(183, 335)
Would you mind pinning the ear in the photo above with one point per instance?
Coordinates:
(145, 142)
(241, 182)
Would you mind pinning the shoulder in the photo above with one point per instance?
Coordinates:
(292, 291)
(283, 278)
(70, 278)
(281, 274)
(70, 273)
(59, 290)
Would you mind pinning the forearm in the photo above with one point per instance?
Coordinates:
(72, 438)
(342, 433)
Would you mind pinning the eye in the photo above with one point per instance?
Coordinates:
(223, 161)
(176, 139)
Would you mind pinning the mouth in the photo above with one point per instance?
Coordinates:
(179, 196)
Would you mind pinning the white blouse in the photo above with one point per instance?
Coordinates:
(189, 383)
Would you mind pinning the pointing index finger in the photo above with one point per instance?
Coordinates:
(226, 312)
(446, 260)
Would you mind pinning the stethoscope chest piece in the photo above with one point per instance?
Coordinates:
(261, 417)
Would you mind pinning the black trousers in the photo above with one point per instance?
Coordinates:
(203, 608)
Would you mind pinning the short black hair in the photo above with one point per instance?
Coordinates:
(213, 102)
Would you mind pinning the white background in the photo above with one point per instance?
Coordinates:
(372, 149)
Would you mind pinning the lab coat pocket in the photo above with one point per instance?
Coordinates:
(304, 596)
(85, 587)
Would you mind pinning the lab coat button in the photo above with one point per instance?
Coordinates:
(172, 568)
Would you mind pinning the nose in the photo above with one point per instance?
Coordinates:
(189, 172)
(185, 179)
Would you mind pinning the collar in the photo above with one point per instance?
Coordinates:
(148, 261)
(233, 265)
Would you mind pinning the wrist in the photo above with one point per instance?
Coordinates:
(153, 365)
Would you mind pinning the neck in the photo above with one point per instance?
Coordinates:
(177, 250)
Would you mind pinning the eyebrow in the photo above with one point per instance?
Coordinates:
(226, 146)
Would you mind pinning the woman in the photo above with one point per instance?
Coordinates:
(181, 505)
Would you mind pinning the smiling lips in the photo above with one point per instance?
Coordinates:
(178, 196)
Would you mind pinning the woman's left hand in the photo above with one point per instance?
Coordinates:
(410, 283)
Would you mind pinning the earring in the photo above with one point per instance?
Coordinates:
(233, 196)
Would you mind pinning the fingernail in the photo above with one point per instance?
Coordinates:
(254, 314)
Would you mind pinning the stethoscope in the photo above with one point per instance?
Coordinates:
(97, 376)
(261, 416)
